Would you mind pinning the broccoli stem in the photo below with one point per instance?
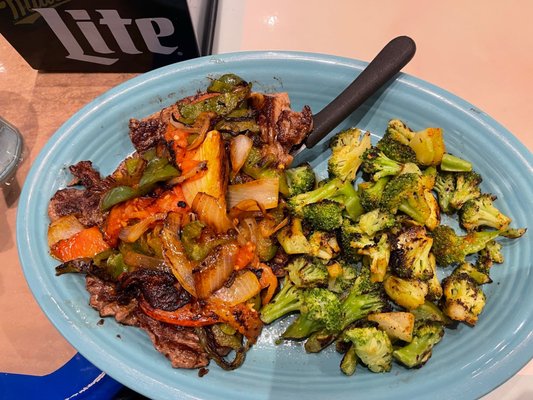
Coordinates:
(286, 301)
(301, 328)
(454, 164)
(349, 361)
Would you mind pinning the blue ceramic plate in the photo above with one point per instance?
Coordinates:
(466, 364)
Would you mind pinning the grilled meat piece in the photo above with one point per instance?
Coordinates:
(281, 128)
(83, 203)
(147, 132)
(179, 344)
(159, 288)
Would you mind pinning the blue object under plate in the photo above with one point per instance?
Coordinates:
(77, 379)
(466, 364)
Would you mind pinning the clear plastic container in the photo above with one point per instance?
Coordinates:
(10, 151)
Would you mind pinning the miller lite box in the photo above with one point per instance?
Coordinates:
(99, 35)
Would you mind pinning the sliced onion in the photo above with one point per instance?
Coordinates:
(211, 213)
(264, 191)
(201, 166)
(203, 121)
(131, 233)
(63, 228)
(247, 209)
(239, 149)
(244, 287)
(218, 268)
(176, 258)
(138, 260)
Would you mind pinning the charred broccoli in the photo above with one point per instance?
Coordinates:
(372, 346)
(324, 215)
(419, 351)
(320, 309)
(370, 193)
(482, 212)
(449, 248)
(346, 150)
(408, 293)
(292, 238)
(341, 275)
(396, 150)
(307, 272)
(410, 254)
(364, 298)
(300, 179)
(286, 301)
(445, 187)
(377, 165)
(377, 257)
(466, 188)
(463, 298)
(324, 245)
(334, 189)
(406, 193)
(375, 221)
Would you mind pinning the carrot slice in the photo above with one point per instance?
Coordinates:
(86, 243)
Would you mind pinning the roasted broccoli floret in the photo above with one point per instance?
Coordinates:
(492, 253)
(410, 254)
(346, 150)
(449, 248)
(372, 346)
(375, 221)
(399, 131)
(320, 309)
(324, 215)
(395, 149)
(466, 188)
(463, 298)
(377, 257)
(407, 293)
(377, 165)
(300, 179)
(307, 272)
(370, 193)
(482, 212)
(478, 275)
(445, 187)
(419, 351)
(287, 300)
(324, 245)
(334, 189)
(341, 275)
(406, 193)
(363, 299)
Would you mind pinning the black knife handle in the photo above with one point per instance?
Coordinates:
(389, 61)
